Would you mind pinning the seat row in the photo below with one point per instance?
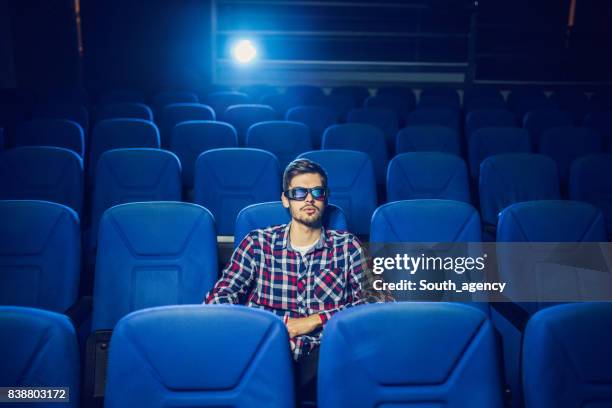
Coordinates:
(221, 184)
(399, 353)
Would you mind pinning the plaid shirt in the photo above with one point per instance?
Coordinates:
(266, 272)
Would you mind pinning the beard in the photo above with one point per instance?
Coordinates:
(312, 221)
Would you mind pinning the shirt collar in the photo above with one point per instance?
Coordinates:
(282, 241)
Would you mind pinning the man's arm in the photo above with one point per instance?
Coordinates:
(237, 276)
(356, 277)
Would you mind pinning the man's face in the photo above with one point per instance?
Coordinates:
(310, 211)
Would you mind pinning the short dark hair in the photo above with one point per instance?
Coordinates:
(302, 166)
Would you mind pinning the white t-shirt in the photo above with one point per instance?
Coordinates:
(304, 249)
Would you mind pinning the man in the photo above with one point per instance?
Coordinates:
(300, 271)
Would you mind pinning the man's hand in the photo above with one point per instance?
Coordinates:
(303, 325)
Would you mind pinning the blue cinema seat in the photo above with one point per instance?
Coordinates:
(523, 101)
(552, 221)
(565, 144)
(227, 180)
(384, 119)
(305, 94)
(426, 220)
(419, 175)
(506, 179)
(119, 110)
(427, 139)
(484, 118)
(340, 104)
(360, 137)
(402, 103)
(574, 101)
(197, 356)
(281, 103)
(222, 100)
(357, 93)
(286, 140)
(40, 255)
(242, 117)
(590, 182)
(120, 134)
(68, 111)
(352, 185)
(434, 117)
(131, 175)
(567, 357)
(264, 215)
(162, 99)
(150, 254)
(439, 98)
(51, 132)
(491, 99)
(176, 113)
(258, 91)
(42, 173)
(317, 118)
(601, 122)
(540, 120)
(491, 141)
(38, 348)
(190, 139)
(409, 354)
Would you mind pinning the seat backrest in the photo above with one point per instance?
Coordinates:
(439, 98)
(340, 104)
(539, 120)
(76, 113)
(120, 134)
(190, 139)
(493, 101)
(39, 348)
(589, 182)
(224, 187)
(551, 221)
(42, 173)
(601, 122)
(213, 355)
(220, 101)
(169, 97)
(427, 139)
(132, 175)
(286, 140)
(242, 117)
(119, 110)
(40, 255)
(483, 118)
(176, 113)
(51, 132)
(425, 221)
(265, 215)
(317, 118)
(567, 356)
(281, 103)
(434, 116)
(409, 354)
(419, 175)
(384, 119)
(526, 100)
(257, 91)
(305, 94)
(401, 104)
(357, 93)
(506, 179)
(351, 183)
(363, 138)
(490, 141)
(565, 144)
(152, 254)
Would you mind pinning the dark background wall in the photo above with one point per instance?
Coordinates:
(157, 44)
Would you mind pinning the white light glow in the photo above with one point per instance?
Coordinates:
(244, 51)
